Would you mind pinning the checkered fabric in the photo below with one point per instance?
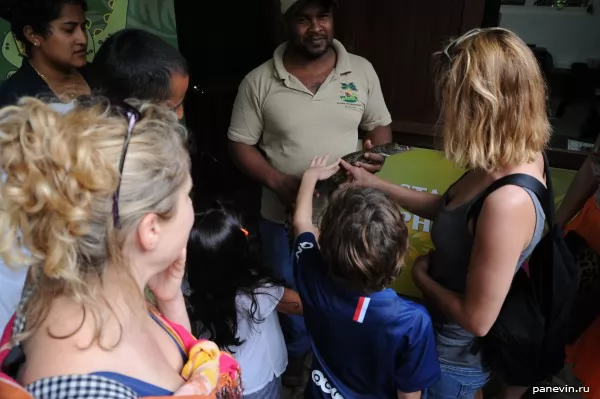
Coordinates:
(79, 387)
(19, 325)
(69, 386)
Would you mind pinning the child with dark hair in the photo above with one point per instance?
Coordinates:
(367, 342)
(234, 300)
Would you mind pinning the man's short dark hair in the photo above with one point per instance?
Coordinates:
(363, 238)
(134, 63)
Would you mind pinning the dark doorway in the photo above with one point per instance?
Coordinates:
(222, 41)
(399, 38)
(491, 13)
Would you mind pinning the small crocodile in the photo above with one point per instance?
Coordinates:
(326, 187)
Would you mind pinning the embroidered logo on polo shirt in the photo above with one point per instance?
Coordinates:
(349, 93)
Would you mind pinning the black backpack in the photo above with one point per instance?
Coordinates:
(527, 342)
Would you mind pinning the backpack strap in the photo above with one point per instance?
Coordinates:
(544, 194)
(549, 209)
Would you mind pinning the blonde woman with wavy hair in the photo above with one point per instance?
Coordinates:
(99, 197)
(493, 113)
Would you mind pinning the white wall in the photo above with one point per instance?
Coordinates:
(570, 35)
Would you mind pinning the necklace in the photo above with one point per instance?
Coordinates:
(41, 75)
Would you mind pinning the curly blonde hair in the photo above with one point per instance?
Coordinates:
(493, 101)
(61, 172)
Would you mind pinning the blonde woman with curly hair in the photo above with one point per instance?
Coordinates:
(99, 198)
(493, 111)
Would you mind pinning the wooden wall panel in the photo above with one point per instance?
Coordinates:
(400, 38)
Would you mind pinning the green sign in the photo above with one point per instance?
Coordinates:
(428, 171)
(104, 17)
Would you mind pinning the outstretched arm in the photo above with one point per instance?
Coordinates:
(290, 303)
(319, 170)
(302, 221)
(425, 205)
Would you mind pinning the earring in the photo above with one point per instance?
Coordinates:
(36, 44)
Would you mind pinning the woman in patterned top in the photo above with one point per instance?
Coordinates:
(100, 196)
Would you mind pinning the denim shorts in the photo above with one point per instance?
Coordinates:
(462, 373)
(458, 382)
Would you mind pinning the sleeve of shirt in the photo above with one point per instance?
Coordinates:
(307, 257)
(418, 365)
(376, 112)
(246, 119)
(267, 298)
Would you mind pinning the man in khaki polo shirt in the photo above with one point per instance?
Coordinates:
(309, 99)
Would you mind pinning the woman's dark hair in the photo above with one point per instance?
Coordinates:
(221, 264)
(35, 13)
(134, 63)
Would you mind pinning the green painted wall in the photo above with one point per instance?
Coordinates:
(104, 18)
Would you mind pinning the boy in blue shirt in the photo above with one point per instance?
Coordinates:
(367, 342)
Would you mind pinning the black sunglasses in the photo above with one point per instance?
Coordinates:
(133, 116)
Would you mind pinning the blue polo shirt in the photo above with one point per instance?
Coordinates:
(364, 346)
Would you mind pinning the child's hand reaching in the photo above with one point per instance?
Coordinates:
(320, 169)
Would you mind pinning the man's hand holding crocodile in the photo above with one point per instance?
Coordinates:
(359, 176)
(377, 158)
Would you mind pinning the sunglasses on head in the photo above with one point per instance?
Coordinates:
(474, 32)
(133, 116)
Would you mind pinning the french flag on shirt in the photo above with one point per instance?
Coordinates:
(361, 309)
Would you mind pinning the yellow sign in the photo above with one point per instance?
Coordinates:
(428, 171)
